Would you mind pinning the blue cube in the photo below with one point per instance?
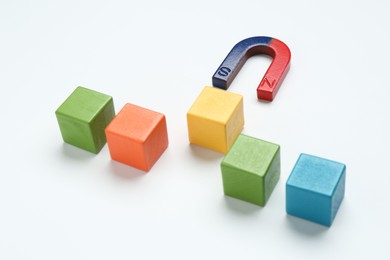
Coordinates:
(315, 189)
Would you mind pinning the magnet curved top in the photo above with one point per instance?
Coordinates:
(243, 50)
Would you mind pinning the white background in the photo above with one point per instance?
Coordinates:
(59, 202)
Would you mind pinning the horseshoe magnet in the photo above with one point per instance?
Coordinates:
(245, 49)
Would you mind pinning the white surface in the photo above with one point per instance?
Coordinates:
(59, 202)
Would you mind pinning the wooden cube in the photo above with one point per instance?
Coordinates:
(251, 170)
(315, 189)
(215, 119)
(137, 137)
(83, 117)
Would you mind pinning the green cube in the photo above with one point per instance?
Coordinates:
(83, 117)
(251, 169)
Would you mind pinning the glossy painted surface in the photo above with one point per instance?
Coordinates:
(137, 137)
(251, 169)
(83, 117)
(215, 119)
(243, 50)
(315, 189)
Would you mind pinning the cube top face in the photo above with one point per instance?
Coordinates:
(316, 174)
(84, 104)
(251, 155)
(135, 122)
(215, 104)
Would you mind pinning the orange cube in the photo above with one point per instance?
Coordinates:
(137, 137)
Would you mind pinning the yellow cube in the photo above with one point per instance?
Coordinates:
(215, 119)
